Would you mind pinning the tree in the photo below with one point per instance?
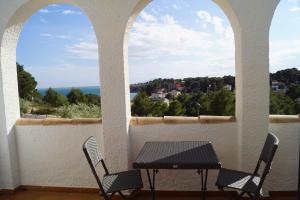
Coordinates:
(159, 109)
(75, 96)
(222, 103)
(297, 106)
(294, 91)
(54, 98)
(176, 109)
(281, 104)
(93, 99)
(142, 105)
(287, 76)
(26, 83)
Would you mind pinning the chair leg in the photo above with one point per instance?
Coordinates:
(122, 195)
(134, 193)
(240, 196)
(256, 197)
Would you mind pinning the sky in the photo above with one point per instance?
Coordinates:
(169, 39)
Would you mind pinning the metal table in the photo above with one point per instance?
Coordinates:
(198, 155)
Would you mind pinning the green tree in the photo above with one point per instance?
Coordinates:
(93, 99)
(297, 105)
(294, 91)
(26, 83)
(75, 96)
(54, 98)
(142, 105)
(159, 108)
(281, 104)
(222, 103)
(175, 109)
(24, 106)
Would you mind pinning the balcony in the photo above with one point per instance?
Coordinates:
(46, 155)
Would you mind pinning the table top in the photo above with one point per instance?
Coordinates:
(177, 155)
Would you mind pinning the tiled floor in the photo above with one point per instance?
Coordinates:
(40, 195)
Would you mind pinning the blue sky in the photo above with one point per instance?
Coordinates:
(169, 39)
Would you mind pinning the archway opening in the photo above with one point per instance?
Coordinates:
(284, 59)
(181, 58)
(57, 65)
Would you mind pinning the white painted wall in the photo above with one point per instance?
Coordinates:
(52, 155)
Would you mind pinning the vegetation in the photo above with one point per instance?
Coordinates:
(24, 106)
(74, 105)
(79, 111)
(76, 96)
(211, 96)
(54, 98)
(26, 84)
(197, 96)
(214, 103)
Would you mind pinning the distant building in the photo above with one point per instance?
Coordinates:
(278, 86)
(228, 87)
(174, 93)
(179, 86)
(159, 95)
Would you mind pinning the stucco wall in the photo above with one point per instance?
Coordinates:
(52, 155)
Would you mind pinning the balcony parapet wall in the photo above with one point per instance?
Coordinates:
(202, 119)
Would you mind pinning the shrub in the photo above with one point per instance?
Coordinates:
(54, 98)
(79, 111)
(75, 96)
(24, 106)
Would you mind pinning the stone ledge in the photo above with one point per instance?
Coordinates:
(57, 121)
(277, 119)
(202, 119)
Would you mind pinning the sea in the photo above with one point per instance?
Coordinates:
(85, 90)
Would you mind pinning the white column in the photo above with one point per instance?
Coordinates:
(251, 21)
(10, 111)
(110, 27)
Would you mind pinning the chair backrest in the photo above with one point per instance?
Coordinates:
(269, 148)
(94, 158)
(266, 156)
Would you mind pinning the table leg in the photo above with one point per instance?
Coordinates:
(203, 182)
(152, 182)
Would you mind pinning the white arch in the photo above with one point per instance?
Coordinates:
(9, 86)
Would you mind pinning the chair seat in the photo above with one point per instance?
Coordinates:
(238, 180)
(122, 181)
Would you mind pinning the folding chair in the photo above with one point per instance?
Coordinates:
(250, 183)
(112, 183)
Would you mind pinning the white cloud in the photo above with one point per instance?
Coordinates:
(54, 5)
(70, 12)
(89, 75)
(204, 16)
(43, 20)
(294, 9)
(215, 21)
(46, 35)
(44, 11)
(218, 24)
(175, 6)
(83, 50)
(294, 1)
(65, 37)
(49, 35)
(165, 48)
(284, 53)
(147, 17)
(168, 19)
